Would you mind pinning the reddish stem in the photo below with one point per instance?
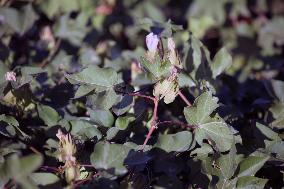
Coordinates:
(184, 98)
(50, 168)
(153, 123)
(34, 150)
(140, 95)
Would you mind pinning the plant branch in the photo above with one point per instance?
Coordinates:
(153, 123)
(142, 96)
(50, 168)
(34, 150)
(184, 99)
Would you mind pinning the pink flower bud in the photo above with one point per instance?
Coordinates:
(60, 135)
(104, 9)
(152, 41)
(10, 76)
(173, 74)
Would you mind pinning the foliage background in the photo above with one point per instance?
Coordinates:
(46, 41)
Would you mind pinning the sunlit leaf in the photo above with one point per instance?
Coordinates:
(102, 117)
(101, 77)
(110, 157)
(178, 142)
(251, 182)
(48, 115)
(222, 61)
(250, 165)
(123, 122)
(19, 20)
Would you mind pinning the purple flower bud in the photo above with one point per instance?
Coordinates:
(152, 41)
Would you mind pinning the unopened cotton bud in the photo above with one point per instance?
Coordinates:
(67, 148)
(71, 173)
(171, 44)
(152, 41)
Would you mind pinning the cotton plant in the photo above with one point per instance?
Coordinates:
(67, 151)
(163, 66)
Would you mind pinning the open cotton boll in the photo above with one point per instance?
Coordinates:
(166, 89)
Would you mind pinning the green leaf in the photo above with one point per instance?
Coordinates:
(214, 129)
(203, 151)
(277, 148)
(29, 164)
(202, 107)
(249, 182)
(21, 167)
(278, 89)
(48, 115)
(278, 123)
(125, 103)
(221, 61)
(199, 25)
(228, 163)
(19, 20)
(185, 81)
(122, 122)
(269, 133)
(178, 142)
(277, 110)
(73, 30)
(84, 130)
(84, 90)
(89, 56)
(157, 68)
(10, 120)
(250, 165)
(3, 70)
(167, 28)
(217, 131)
(110, 157)
(31, 70)
(54, 7)
(100, 77)
(192, 55)
(44, 179)
(111, 133)
(103, 100)
(102, 117)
